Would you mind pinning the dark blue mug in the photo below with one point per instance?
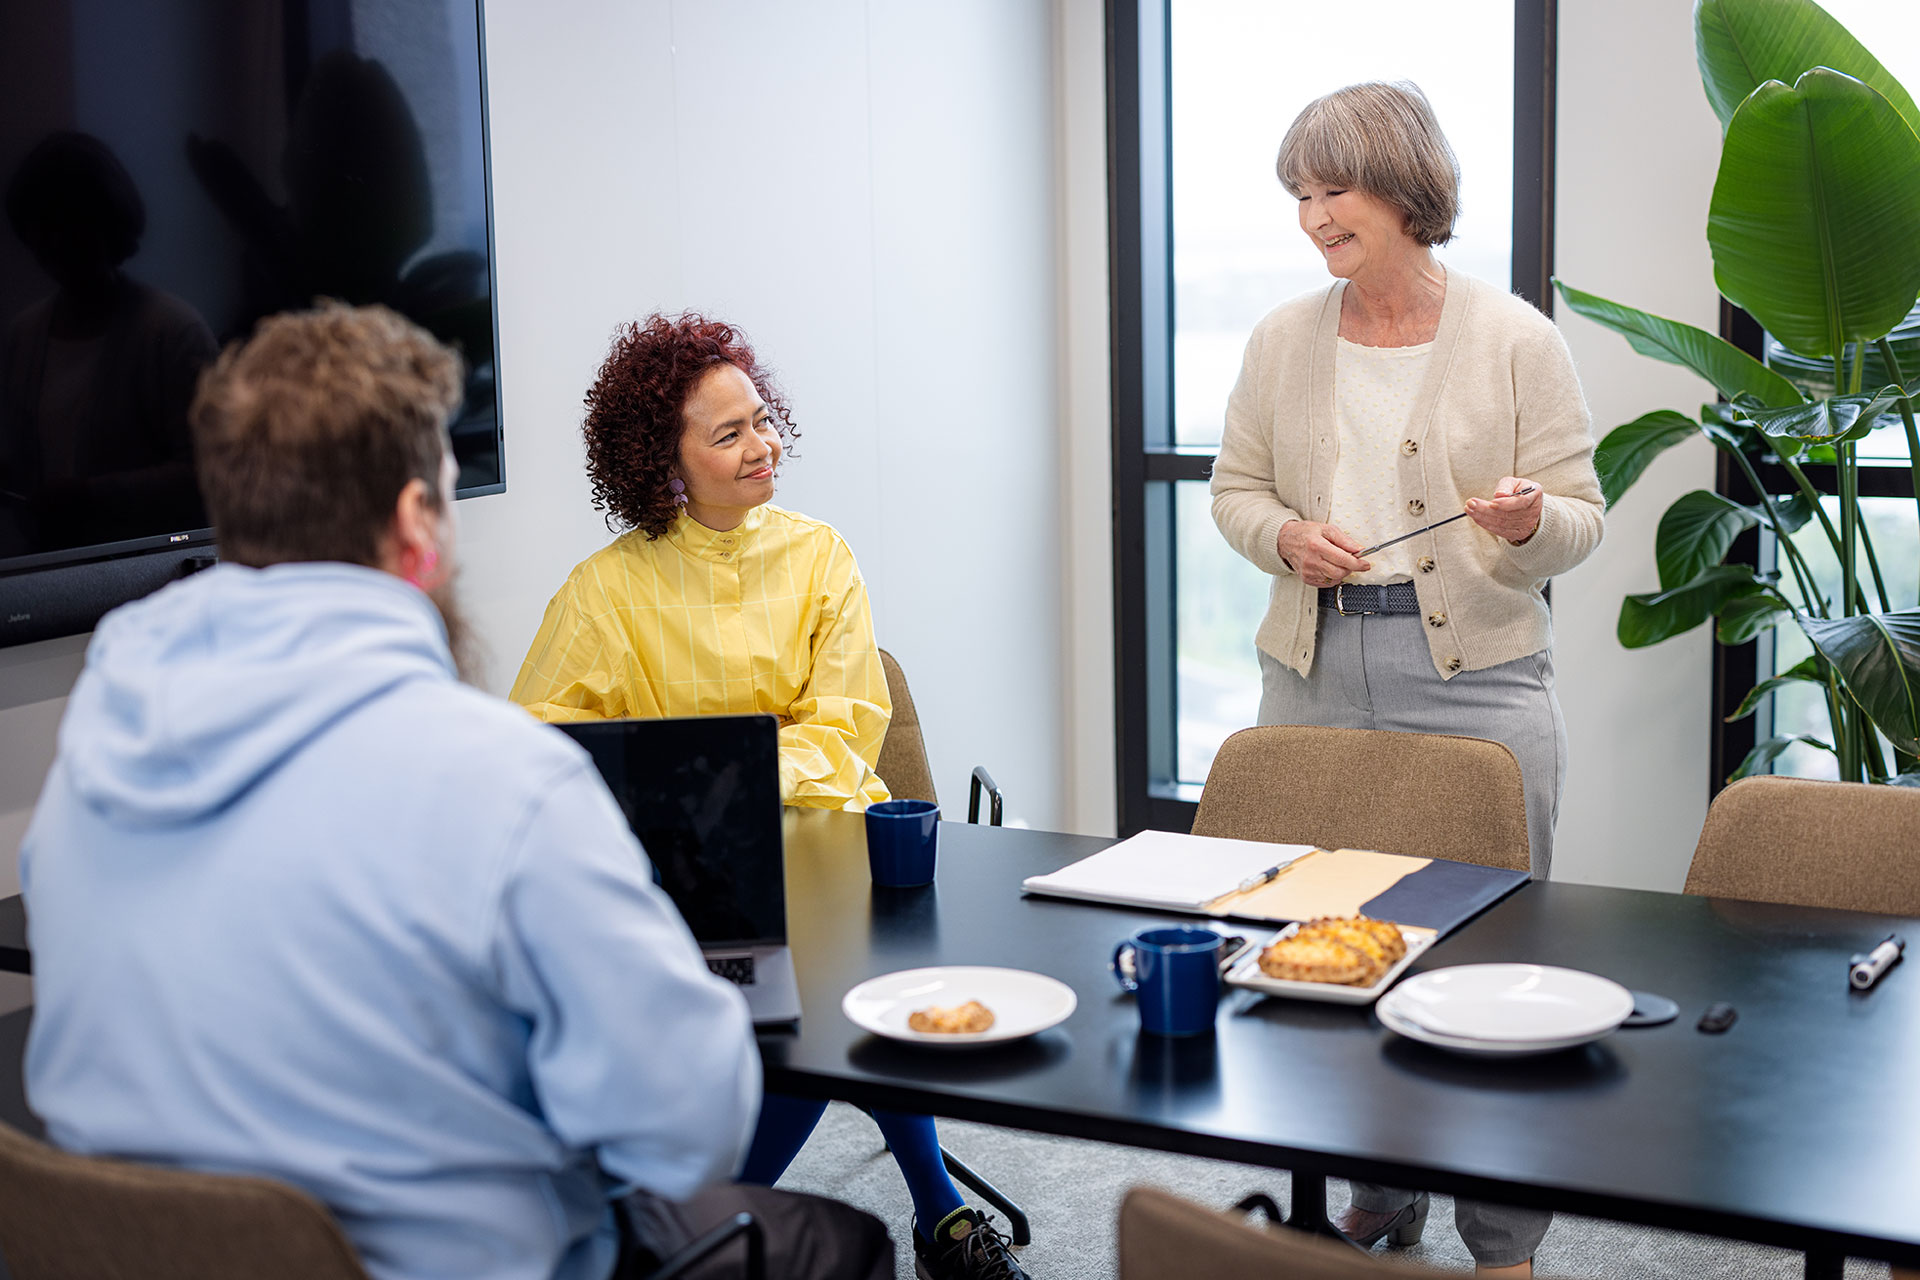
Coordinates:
(1175, 974)
(901, 835)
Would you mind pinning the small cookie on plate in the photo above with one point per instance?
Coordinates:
(970, 1018)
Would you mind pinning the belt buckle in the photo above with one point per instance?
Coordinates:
(1340, 604)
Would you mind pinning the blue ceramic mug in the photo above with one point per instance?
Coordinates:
(1175, 974)
(901, 835)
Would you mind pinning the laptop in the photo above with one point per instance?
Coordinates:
(703, 796)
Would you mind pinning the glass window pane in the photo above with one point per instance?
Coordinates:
(1800, 708)
(1220, 599)
(1241, 71)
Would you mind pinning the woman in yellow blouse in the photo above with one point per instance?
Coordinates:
(714, 602)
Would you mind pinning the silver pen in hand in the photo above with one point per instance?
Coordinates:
(1521, 492)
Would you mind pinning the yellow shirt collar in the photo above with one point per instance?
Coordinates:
(713, 544)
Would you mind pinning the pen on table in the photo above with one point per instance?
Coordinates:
(1253, 881)
(1864, 971)
(1521, 492)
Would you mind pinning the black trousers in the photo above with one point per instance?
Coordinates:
(807, 1237)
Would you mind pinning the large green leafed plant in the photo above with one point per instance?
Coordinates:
(1815, 231)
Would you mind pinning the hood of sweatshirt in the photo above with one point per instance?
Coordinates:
(195, 694)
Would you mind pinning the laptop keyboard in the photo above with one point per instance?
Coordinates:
(735, 969)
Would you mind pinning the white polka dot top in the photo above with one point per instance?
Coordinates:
(1373, 394)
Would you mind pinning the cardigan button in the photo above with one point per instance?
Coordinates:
(1417, 507)
(1424, 564)
(1409, 447)
(1453, 665)
(1436, 619)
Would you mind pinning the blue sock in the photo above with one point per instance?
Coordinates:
(785, 1125)
(916, 1149)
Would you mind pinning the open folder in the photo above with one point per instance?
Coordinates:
(1253, 880)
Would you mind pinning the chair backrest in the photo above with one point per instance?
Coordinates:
(69, 1217)
(1421, 794)
(903, 753)
(1163, 1237)
(1812, 844)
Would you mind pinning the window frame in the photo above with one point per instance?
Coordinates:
(1145, 460)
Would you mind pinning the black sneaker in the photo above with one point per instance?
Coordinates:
(965, 1246)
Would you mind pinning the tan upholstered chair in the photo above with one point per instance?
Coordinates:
(68, 1217)
(1812, 844)
(1163, 1237)
(903, 754)
(1413, 793)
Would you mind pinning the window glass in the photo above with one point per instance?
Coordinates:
(1241, 71)
(1801, 708)
(1221, 598)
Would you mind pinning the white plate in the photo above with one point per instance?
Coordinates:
(1529, 1004)
(1387, 1010)
(1246, 973)
(1022, 1002)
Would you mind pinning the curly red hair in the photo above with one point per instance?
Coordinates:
(634, 419)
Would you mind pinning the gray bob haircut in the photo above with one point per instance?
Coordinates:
(1381, 139)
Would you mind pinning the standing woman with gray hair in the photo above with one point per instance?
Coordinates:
(1401, 395)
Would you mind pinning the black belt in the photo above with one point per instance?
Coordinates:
(1351, 598)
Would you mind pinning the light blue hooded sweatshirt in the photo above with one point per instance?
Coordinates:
(304, 906)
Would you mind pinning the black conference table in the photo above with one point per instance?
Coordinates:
(1798, 1127)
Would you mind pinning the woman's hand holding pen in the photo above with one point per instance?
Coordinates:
(1321, 554)
(1508, 514)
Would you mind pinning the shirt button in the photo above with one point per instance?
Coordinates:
(1436, 619)
(1453, 665)
(1409, 447)
(1417, 507)
(726, 555)
(1424, 564)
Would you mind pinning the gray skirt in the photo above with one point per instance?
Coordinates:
(1375, 671)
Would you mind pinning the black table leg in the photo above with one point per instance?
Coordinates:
(1310, 1208)
(1825, 1266)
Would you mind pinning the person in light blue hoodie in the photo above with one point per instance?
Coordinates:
(304, 905)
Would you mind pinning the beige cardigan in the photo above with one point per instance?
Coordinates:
(1500, 398)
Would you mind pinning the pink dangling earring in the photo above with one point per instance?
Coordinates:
(679, 488)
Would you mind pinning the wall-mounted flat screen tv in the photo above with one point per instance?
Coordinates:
(173, 171)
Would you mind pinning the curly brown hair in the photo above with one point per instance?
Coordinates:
(634, 412)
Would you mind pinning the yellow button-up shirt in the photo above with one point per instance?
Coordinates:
(770, 617)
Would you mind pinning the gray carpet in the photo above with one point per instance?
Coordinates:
(1071, 1191)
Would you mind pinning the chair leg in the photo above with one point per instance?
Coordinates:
(1016, 1220)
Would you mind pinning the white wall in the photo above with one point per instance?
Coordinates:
(1637, 149)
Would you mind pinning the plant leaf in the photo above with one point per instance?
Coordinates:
(1830, 421)
(1744, 617)
(1695, 533)
(1659, 615)
(1905, 780)
(1742, 44)
(1877, 656)
(1794, 511)
(1805, 671)
(1628, 450)
(1765, 753)
(1727, 367)
(1815, 217)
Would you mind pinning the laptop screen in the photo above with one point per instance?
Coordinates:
(703, 795)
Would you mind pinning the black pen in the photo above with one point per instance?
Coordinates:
(1521, 492)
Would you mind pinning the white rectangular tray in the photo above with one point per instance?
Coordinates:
(1246, 973)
